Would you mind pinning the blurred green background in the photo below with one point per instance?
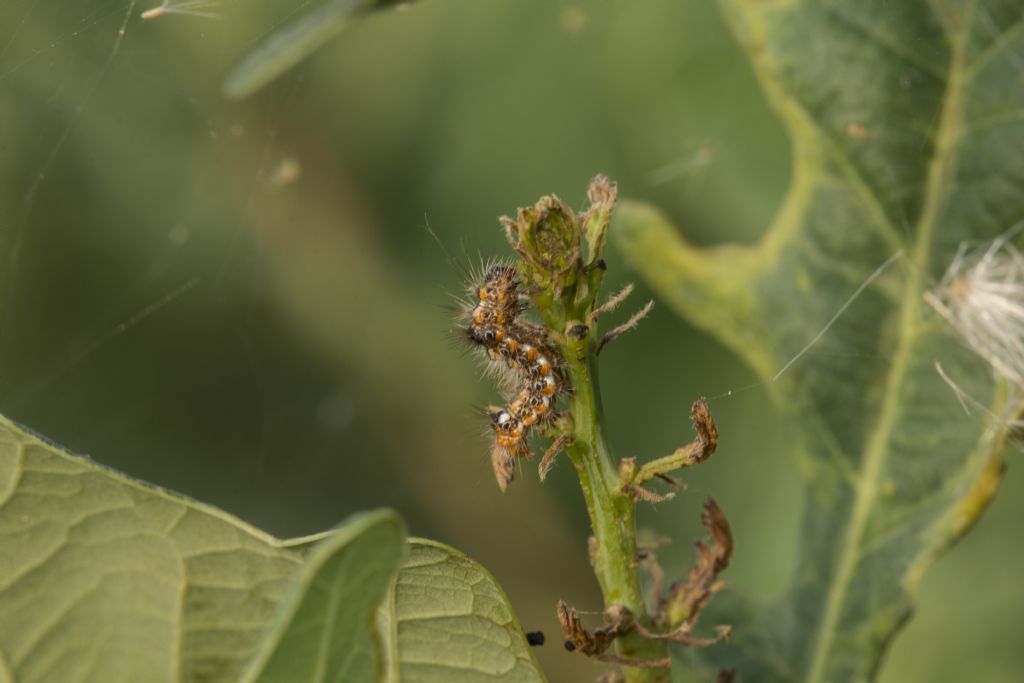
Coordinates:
(242, 302)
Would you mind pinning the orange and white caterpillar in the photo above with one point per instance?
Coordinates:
(518, 349)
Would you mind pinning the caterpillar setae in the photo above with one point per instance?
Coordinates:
(517, 349)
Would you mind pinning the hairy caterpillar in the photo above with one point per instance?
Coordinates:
(519, 350)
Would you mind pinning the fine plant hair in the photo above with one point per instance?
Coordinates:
(546, 372)
(981, 296)
(195, 8)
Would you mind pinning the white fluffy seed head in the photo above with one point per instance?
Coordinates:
(982, 297)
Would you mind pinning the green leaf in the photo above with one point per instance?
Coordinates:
(906, 122)
(293, 42)
(104, 578)
(325, 629)
(447, 621)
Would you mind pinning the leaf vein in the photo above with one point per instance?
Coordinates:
(877, 446)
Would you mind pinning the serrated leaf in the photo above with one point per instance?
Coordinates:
(293, 42)
(104, 578)
(325, 627)
(447, 621)
(907, 128)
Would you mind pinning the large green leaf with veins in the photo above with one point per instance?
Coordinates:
(907, 127)
(104, 578)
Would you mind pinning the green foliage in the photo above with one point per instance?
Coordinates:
(323, 630)
(293, 42)
(105, 578)
(286, 269)
(895, 471)
(446, 620)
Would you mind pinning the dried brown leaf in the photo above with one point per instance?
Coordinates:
(687, 599)
(726, 676)
(593, 643)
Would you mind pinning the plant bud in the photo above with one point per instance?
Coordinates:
(547, 236)
(602, 194)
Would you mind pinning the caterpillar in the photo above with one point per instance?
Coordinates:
(518, 349)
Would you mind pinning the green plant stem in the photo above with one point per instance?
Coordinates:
(612, 516)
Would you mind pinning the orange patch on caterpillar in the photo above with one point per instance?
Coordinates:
(545, 385)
